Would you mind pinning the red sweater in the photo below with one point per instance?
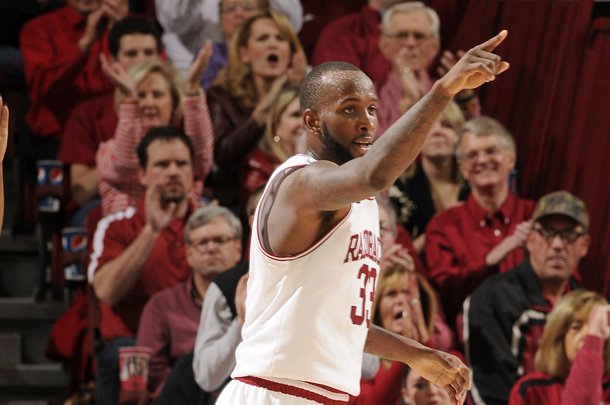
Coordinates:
(58, 74)
(117, 161)
(354, 38)
(585, 385)
(457, 241)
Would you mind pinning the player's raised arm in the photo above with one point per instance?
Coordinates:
(339, 106)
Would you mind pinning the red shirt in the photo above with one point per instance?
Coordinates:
(169, 327)
(585, 384)
(57, 73)
(165, 267)
(256, 170)
(354, 39)
(317, 14)
(91, 123)
(457, 241)
(384, 388)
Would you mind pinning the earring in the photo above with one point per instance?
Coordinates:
(276, 139)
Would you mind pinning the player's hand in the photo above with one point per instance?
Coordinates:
(477, 66)
(448, 372)
(192, 85)
(4, 114)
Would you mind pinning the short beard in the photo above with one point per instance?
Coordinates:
(168, 198)
(339, 153)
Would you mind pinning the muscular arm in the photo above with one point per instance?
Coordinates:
(332, 187)
(442, 369)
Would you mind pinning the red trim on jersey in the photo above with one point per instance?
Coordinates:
(295, 391)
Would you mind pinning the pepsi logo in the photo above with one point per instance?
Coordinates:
(56, 175)
(74, 243)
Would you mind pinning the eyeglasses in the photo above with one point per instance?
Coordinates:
(402, 36)
(229, 8)
(568, 236)
(202, 244)
(473, 155)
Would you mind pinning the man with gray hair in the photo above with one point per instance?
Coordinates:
(484, 235)
(170, 319)
(410, 40)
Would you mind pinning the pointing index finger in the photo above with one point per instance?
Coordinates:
(493, 42)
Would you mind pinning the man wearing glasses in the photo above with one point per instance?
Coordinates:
(504, 317)
(171, 317)
(483, 236)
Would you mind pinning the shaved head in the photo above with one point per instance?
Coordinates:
(313, 84)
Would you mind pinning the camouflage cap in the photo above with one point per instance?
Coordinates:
(562, 203)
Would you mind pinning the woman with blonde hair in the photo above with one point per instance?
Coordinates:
(282, 139)
(573, 359)
(150, 95)
(264, 56)
(433, 183)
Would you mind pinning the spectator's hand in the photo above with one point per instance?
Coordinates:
(296, 71)
(95, 25)
(599, 321)
(521, 231)
(262, 109)
(477, 66)
(415, 308)
(240, 298)
(4, 115)
(119, 78)
(446, 371)
(192, 85)
(115, 10)
(397, 255)
(448, 59)
(158, 214)
(508, 244)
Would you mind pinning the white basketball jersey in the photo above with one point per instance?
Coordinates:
(307, 316)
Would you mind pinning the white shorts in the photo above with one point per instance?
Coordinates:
(275, 391)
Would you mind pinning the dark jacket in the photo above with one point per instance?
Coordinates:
(503, 322)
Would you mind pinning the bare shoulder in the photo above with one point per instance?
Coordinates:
(291, 210)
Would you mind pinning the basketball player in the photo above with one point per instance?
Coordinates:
(315, 244)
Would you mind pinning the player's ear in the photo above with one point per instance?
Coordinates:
(311, 120)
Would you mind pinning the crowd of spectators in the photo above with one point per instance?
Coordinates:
(168, 130)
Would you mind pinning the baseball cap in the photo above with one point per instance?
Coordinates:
(562, 203)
